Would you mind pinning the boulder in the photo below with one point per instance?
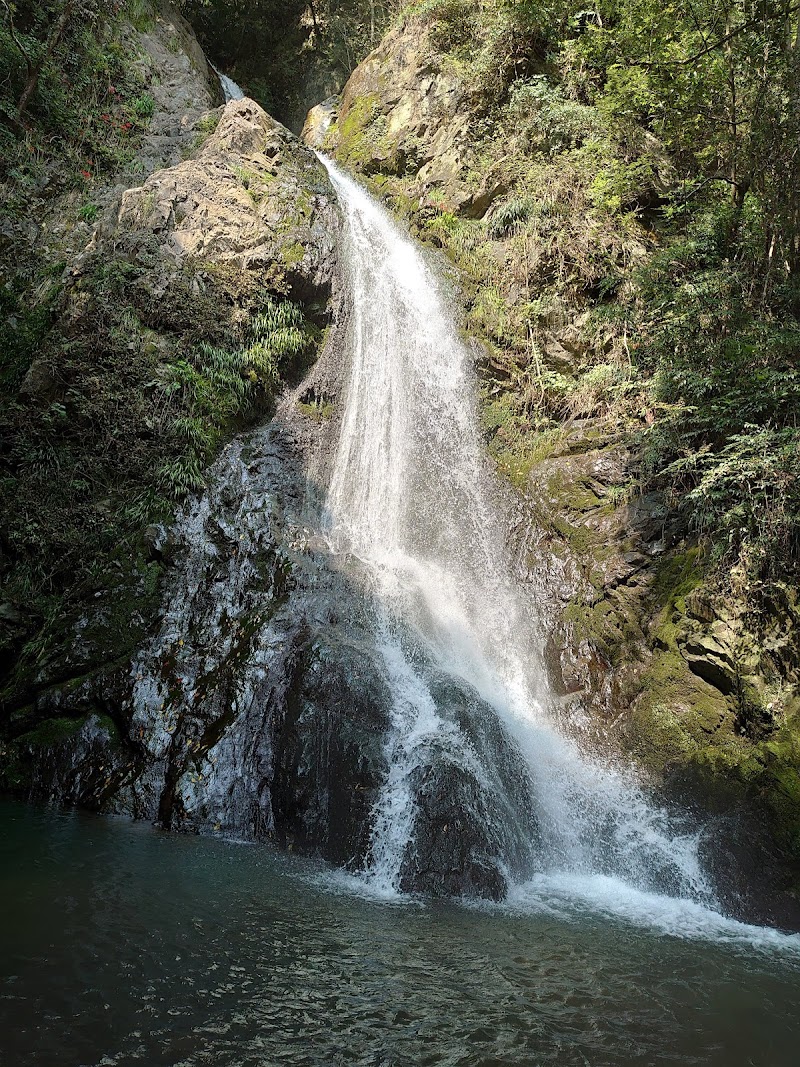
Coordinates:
(402, 112)
(318, 122)
(252, 196)
(712, 661)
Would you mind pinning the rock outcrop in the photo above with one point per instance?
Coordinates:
(249, 197)
(188, 304)
(403, 112)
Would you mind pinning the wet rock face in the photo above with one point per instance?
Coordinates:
(474, 824)
(259, 707)
(329, 759)
(451, 854)
(256, 727)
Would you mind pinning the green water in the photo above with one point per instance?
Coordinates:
(122, 945)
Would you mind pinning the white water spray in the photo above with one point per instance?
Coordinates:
(410, 501)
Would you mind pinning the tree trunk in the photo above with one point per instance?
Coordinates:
(36, 69)
(17, 43)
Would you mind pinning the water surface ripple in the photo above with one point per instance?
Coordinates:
(122, 945)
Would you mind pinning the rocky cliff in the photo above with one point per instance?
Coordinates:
(190, 654)
(194, 658)
(196, 286)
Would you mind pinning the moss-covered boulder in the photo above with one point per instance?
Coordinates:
(405, 111)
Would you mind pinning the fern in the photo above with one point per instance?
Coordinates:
(508, 217)
(218, 387)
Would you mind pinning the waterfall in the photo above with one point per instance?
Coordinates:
(229, 86)
(347, 662)
(411, 510)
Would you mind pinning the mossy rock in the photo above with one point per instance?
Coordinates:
(351, 134)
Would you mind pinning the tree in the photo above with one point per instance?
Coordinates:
(36, 29)
(718, 81)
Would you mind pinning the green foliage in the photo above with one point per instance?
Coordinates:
(317, 410)
(648, 159)
(141, 14)
(89, 212)
(507, 218)
(723, 360)
(142, 106)
(718, 84)
(455, 22)
(203, 128)
(23, 326)
(52, 732)
(749, 491)
(83, 101)
(545, 118)
(218, 387)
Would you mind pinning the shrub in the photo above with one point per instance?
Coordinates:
(218, 387)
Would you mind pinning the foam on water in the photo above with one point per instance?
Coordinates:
(362, 885)
(569, 896)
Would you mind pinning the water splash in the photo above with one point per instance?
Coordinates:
(411, 500)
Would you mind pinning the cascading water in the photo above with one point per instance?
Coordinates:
(411, 504)
(229, 87)
(348, 664)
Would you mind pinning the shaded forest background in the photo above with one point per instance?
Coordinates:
(290, 55)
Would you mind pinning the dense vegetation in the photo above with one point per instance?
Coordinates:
(716, 310)
(653, 176)
(71, 101)
(71, 109)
